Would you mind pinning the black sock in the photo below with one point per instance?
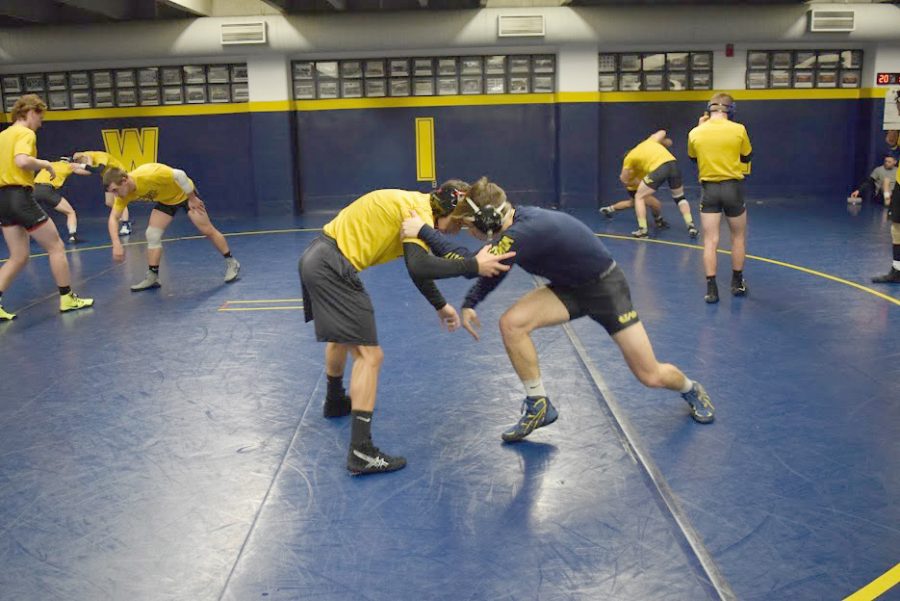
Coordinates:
(227, 255)
(711, 279)
(896, 252)
(737, 276)
(361, 431)
(335, 388)
(64, 290)
(154, 269)
(677, 199)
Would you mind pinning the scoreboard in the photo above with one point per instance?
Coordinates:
(887, 79)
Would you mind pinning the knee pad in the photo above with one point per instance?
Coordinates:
(154, 237)
(895, 233)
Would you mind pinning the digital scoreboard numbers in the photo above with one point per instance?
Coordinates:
(887, 79)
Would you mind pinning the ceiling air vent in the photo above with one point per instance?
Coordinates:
(520, 25)
(830, 21)
(251, 32)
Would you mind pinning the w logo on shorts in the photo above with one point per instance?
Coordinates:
(628, 317)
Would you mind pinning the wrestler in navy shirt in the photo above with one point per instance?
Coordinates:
(584, 281)
(549, 244)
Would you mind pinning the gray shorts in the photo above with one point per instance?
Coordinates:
(668, 172)
(334, 297)
(726, 196)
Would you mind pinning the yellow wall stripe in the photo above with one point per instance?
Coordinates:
(425, 159)
(877, 587)
(183, 110)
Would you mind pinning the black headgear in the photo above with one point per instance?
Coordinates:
(488, 219)
(729, 109)
(445, 199)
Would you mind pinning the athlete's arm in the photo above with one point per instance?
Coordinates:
(441, 245)
(29, 163)
(112, 226)
(485, 286)
(746, 148)
(423, 265)
(626, 176)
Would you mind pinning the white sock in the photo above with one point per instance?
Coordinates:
(688, 384)
(534, 387)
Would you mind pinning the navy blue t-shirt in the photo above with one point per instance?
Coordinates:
(549, 244)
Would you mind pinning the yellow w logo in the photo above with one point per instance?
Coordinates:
(131, 146)
(626, 317)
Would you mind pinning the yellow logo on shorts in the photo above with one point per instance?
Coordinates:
(626, 317)
(132, 146)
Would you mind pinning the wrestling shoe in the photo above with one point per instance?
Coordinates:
(641, 232)
(608, 212)
(6, 315)
(712, 293)
(124, 228)
(893, 277)
(151, 280)
(336, 407)
(72, 302)
(232, 269)
(368, 459)
(738, 287)
(692, 231)
(537, 412)
(74, 239)
(702, 409)
(661, 224)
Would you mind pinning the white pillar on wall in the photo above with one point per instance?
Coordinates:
(269, 77)
(576, 66)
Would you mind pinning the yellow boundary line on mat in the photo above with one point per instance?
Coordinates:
(226, 306)
(877, 587)
(820, 274)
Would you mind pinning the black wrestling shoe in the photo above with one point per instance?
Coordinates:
(739, 287)
(368, 459)
(336, 407)
(712, 293)
(893, 277)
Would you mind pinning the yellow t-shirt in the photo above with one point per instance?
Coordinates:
(368, 230)
(645, 157)
(718, 146)
(154, 182)
(98, 157)
(63, 169)
(16, 139)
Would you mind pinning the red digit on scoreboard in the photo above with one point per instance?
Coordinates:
(883, 78)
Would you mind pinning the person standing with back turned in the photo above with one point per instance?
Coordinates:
(722, 150)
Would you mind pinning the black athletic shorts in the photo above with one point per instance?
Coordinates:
(47, 195)
(632, 193)
(18, 207)
(895, 205)
(606, 300)
(334, 296)
(171, 209)
(667, 172)
(727, 196)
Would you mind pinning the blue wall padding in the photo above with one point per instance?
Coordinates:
(344, 154)
(570, 155)
(214, 150)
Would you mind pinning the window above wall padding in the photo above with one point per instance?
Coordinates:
(139, 86)
(424, 76)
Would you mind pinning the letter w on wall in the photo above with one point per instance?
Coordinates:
(132, 146)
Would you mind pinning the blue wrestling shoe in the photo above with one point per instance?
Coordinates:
(537, 412)
(702, 409)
